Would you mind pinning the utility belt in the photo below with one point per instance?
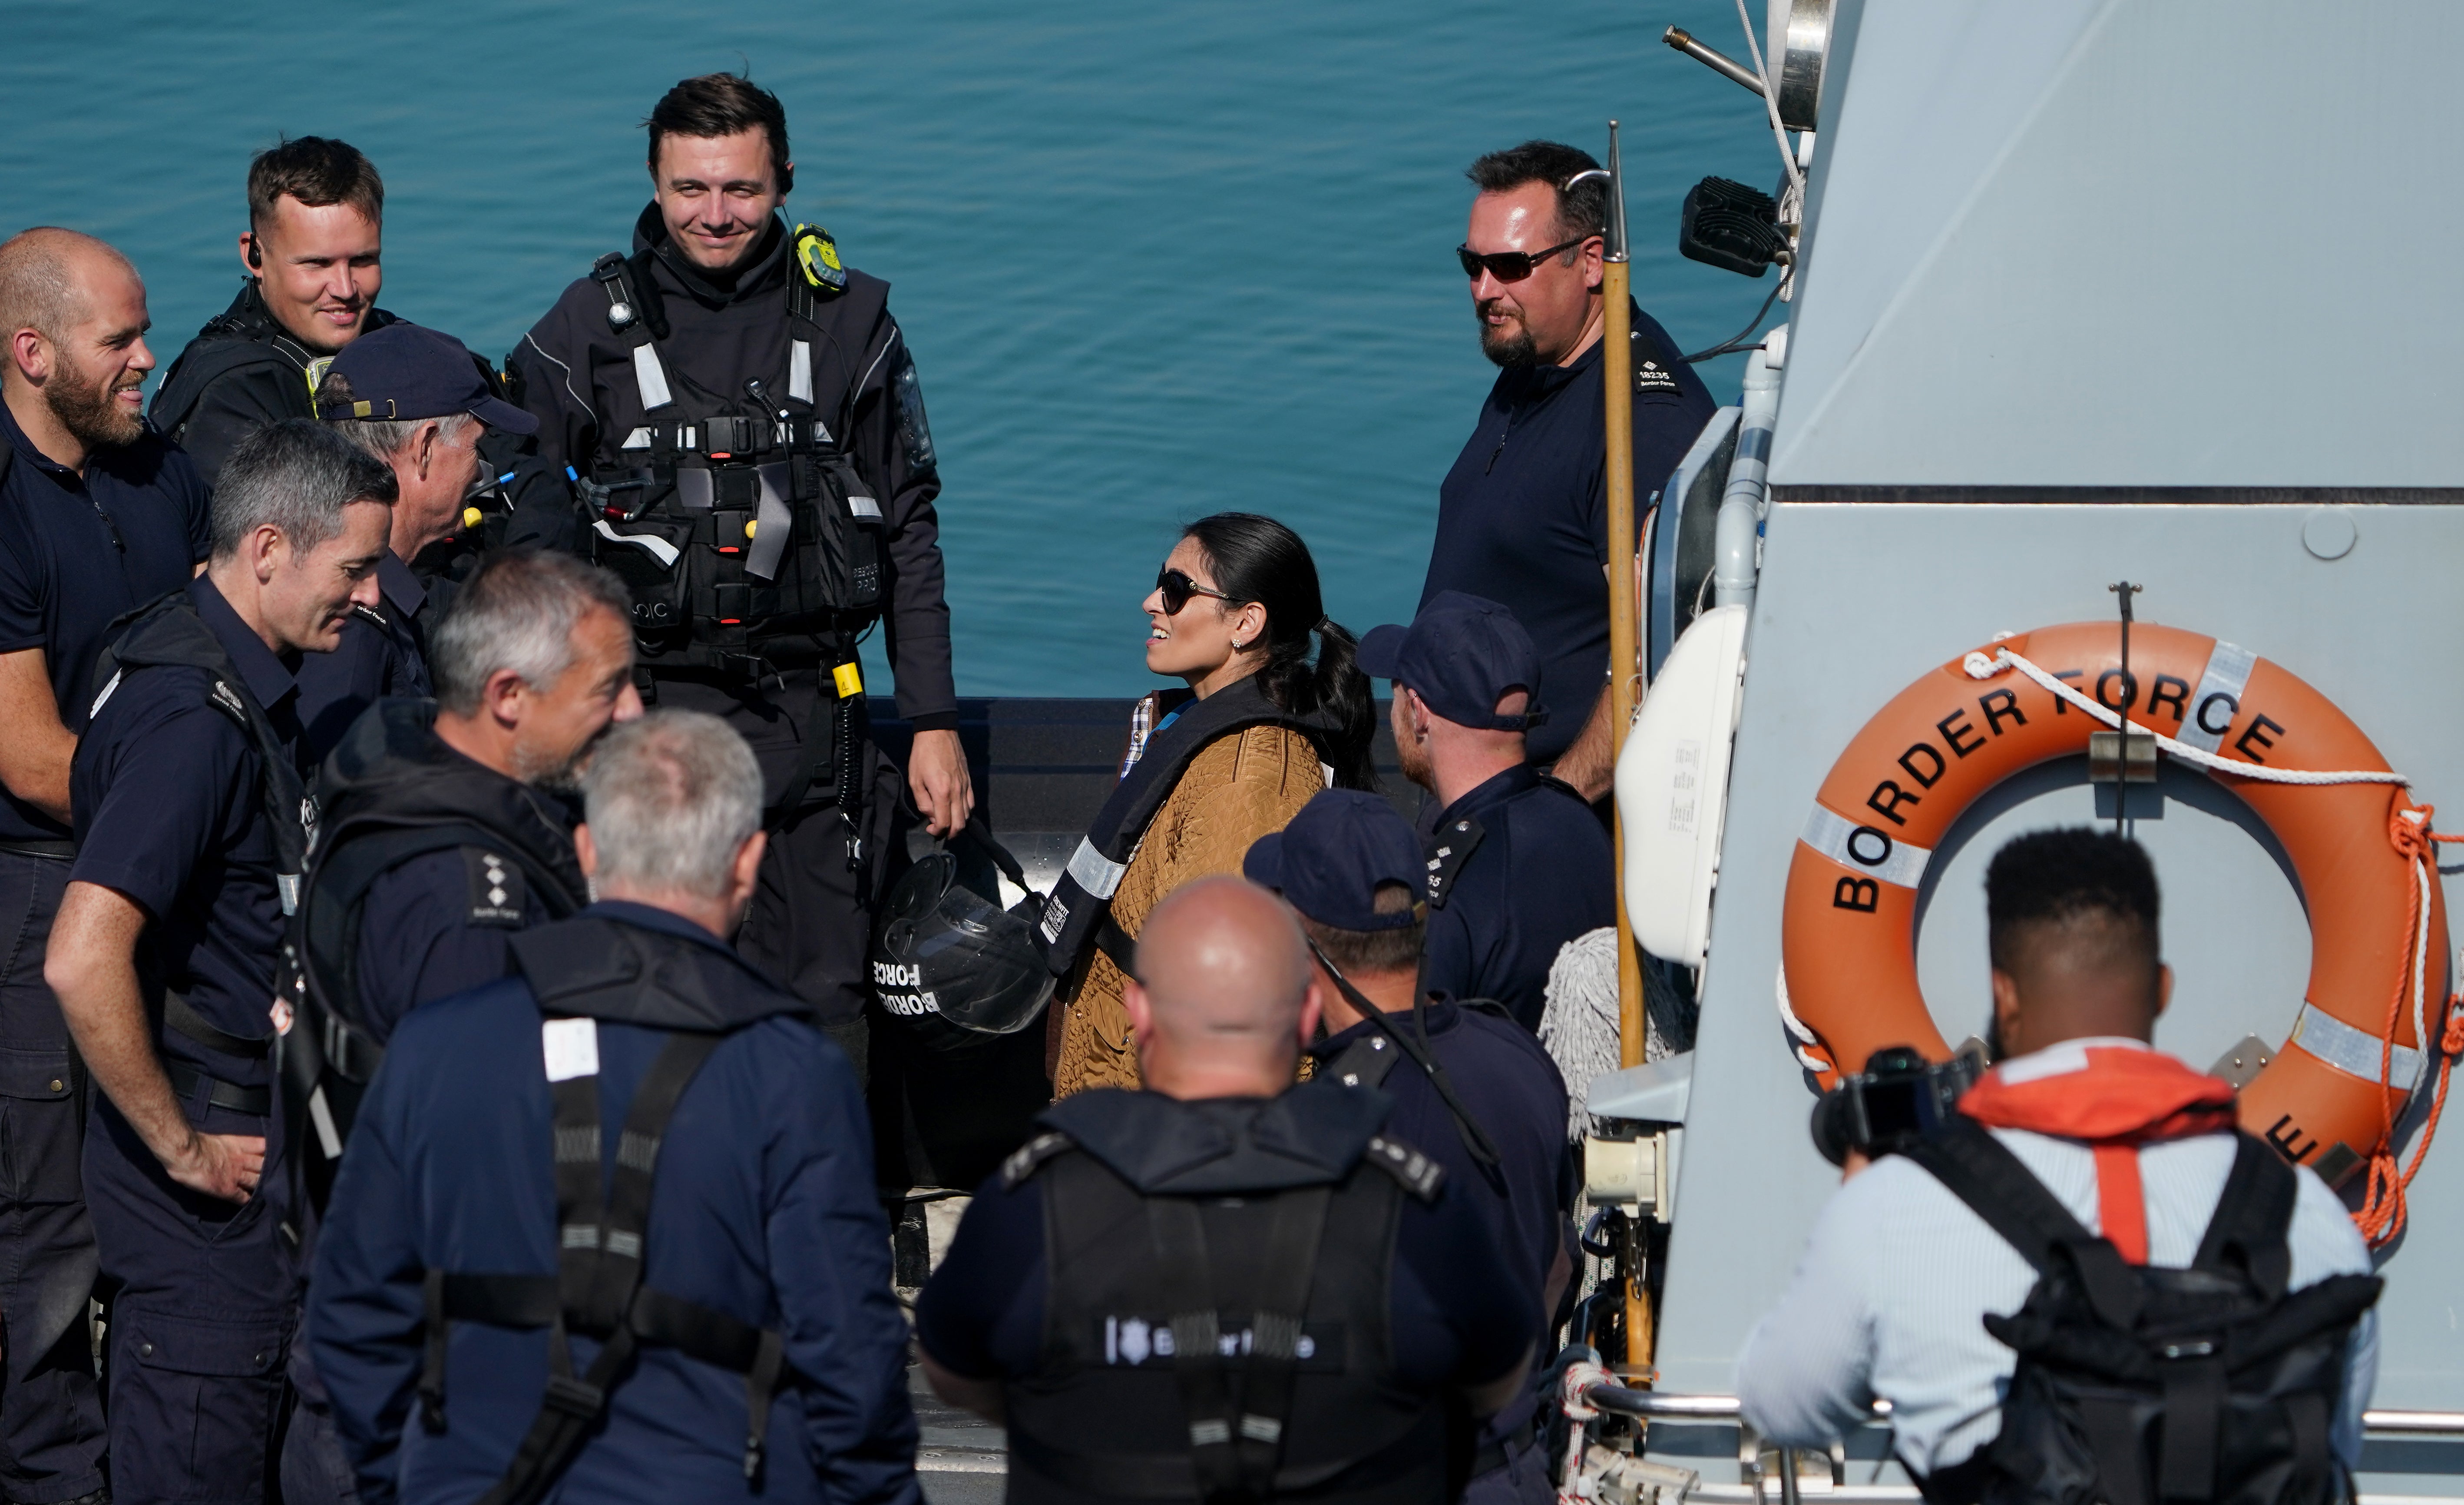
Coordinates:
(187, 1081)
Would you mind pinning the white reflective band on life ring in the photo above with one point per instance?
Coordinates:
(2353, 1052)
(2210, 712)
(1095, 872)
(1868, 849)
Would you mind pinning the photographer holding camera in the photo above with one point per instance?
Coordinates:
(2082, 1283)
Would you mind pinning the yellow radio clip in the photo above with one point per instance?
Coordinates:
(849, 679)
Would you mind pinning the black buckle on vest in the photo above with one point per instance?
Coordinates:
(734, 436)
(574, 1397)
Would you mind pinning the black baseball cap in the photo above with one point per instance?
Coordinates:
(1329, 861)
(1460, 654)
(404, 372)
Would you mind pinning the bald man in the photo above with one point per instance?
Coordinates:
(98, 516)
(1222, 1282)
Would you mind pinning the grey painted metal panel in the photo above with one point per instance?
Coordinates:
(1859, 601)
(2059, 242)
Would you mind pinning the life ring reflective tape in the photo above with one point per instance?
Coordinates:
(1848, 940)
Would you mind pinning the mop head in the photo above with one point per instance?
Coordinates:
(1579, 1022)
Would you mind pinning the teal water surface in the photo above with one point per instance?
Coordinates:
(1156, 260)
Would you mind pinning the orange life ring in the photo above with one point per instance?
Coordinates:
(1848, 944)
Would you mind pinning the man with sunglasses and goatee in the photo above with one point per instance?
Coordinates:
(1523, 517)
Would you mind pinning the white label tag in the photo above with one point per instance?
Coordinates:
(650, 377)
(571, 1047)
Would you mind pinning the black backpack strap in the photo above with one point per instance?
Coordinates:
(1237, 1448)
(2254, 1216)
(1416, 1045)
(1997, 1185)
(599, 1263)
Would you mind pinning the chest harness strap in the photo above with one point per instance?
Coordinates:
(1237, 1443)
(598, 1290)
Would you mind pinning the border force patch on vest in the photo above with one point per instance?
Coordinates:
(499, 896)
(1447, 851)
(1419, 1175)
(1023, 1161)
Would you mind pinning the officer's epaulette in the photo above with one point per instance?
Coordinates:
(498, 896)
(1447, 851)
(371, 613)
(1023, 1161)
(1419, 1175)
(1652, 373)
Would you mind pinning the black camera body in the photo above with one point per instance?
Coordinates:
(1897, 1099)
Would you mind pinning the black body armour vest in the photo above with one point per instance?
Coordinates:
(167, 633)
(244, 335)
(391, 792)
(739, 522)
(599, 969)
(1080, 906)
(1217, 1305)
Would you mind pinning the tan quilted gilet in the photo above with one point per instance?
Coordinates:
(1238, 789)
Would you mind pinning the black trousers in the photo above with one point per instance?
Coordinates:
(52, 1439)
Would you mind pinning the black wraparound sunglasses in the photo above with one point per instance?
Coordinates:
(1511, 266)
(1177, 588)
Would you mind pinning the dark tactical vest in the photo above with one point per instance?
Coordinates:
(736, 518)
(599, 969)
(167, 633)
(1080, 910)
(389, 793)
(242, 336)
(1218, 1304)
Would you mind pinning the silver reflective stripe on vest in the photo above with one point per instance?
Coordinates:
(2355, 1053)
(638, 439)
(650, 377)
(1867, 848)
(95, 709)
(659, 548)
(2223, 681)
(1095, 872)
(800, 370)
(865, 508)
(775, 522)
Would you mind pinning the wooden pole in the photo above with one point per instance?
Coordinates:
(1616, 369)
(1617, 374)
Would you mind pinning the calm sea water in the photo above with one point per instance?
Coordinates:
(1156, 260)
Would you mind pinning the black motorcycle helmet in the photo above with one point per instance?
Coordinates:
(952, 965)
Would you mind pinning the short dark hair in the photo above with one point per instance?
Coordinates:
(722, 104)
(1582, 210)
(316, 170)
(1396, 950)
(2057, 878)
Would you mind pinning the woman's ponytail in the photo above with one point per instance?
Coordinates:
(1258, 559)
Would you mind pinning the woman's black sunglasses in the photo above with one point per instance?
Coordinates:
(1177, 588)
(1510, 266)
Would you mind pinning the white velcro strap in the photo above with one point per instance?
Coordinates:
(865, 508)
(2210, 712)
(2353, 1052)
(638, 439)
(1868, 849)
(659, 548)
(650, 377)
(1095, 872)
(800, 370)
(570, 1048)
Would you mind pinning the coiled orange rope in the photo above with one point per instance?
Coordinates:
(2382, 1215)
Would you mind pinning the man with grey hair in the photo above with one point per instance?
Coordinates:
(416, 400)
(98, 516)
(688, 1296)
(191, 826)
(1225, 1285)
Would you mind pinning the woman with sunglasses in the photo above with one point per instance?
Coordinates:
(1265, 723)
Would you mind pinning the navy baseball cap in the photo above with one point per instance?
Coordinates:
(1329, 861)
(1460, 654)
(404, 371)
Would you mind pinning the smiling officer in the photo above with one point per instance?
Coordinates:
(191, 826)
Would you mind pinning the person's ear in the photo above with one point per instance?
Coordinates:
(2164, 988)
(33, 353)
(586, 850)
(1249, 626)
(1141, 1008)
(267, 550)
(1313, 1007)
(744, 874)
(2006, 1014)
(502, 698)
(1594, 254)
(251, 255)
(429, 434)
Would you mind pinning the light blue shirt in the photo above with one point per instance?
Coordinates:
(1889, 1298)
